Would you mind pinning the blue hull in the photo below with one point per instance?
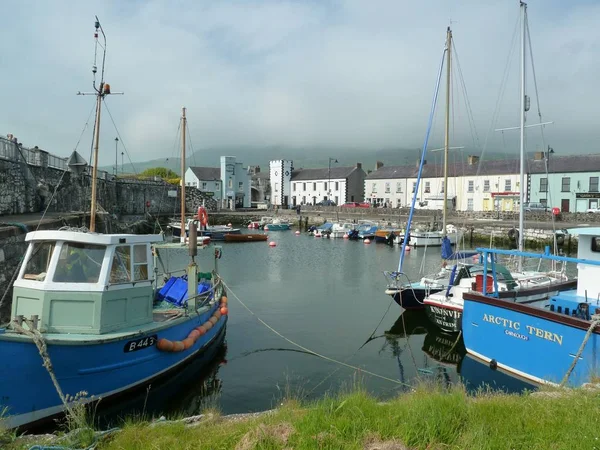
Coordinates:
(412, 298)
(534, 343)
(278, 227)
(101, 368)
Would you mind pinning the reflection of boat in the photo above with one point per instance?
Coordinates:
(247, 237)
(445, 348)
(84, 319)
(185, 392)
(408, 323)
(476, 375)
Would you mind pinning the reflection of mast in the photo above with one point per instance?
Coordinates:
(100, 91)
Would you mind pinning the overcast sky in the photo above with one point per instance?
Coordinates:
(340, 74)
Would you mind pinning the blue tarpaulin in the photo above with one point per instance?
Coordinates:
(446, 247)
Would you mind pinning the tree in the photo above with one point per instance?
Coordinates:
(162, 172)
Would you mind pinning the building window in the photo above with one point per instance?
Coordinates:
(486, 185)
(441, 190)
(543, 184)
(414, 187)
(469, 204)
(566, 184)
(276, 187)
(203, 186)
(303, 199)
(294, 187)
(543, 201)
(387, 188)
(325, 186)
(241, 186)
(304, 186)
(427, 187)
(398, 188)
(507, 185)
(230, 183)
(471, 187)
(398, 203)
(314, 186)
(337, 185)
(374, 187)
(593, 184)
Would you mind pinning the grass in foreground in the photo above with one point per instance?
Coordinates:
(429, 418)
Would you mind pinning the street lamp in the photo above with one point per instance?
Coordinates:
(335, 161)
(548, 153)
(122, 157)
(116, 156)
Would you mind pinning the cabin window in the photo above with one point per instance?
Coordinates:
(79, 263)
(140, 263)
(37, 265)
(596, 244)
(121, 264)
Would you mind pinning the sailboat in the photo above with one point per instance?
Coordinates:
(84, 321)
(409, 294)
(444, 308)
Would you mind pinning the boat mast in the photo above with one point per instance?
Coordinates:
(99, 96)
(522, 134)
(183, 127)
(447, 137)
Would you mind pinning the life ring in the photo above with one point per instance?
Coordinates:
(202, 216)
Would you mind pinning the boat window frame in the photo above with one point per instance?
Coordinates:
(84, 260)
(31, 254)
(595, 245)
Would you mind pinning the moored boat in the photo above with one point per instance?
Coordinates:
(246, 237)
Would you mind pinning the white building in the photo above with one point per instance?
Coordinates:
(338, 184)
(229, 184)
(280, 174)
(471, 186)
(570, 183)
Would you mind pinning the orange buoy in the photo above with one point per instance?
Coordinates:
(266, 228)
(208, 325)
(367, 241)
(407, 249)
(297, 233)
(202, 215)
(229, 224)
(213, 320)
(187, 343)
(201, 330)
(194, 335)
(165, 345)
(224, 310)
(224, 299)
(217, 314)
(178, 346)
(272, 244)
(345, 235)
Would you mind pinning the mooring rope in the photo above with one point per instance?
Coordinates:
(593, 325)
(312, 352)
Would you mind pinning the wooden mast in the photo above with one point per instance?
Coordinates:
(183, 127)
(447, 137)
(95, 165)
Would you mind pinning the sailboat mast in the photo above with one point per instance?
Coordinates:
(522, 134)
(447, 137)
(183, 127)
(95, 166)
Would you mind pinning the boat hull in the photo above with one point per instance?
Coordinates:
(256, 237)
(101, 368)
(448, 319)
(277, 226)
(410, 298)
(534, 343)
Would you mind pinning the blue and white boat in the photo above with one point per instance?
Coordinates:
(366, 230)
(553, 341)
(209, 233)
(277, 225)
(84, 322)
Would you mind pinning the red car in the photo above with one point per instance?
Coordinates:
(364, 205)
(351, 205)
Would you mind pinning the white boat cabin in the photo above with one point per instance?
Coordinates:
(86, 283)
(588, 247)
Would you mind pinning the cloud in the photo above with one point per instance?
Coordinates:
(349, 75)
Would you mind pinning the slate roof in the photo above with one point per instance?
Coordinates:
(565, 164)
(207, 173)
(323, 174)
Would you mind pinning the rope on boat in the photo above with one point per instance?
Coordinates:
(593, 325)
(307, 350)
(40, 343)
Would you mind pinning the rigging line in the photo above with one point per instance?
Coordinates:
(502, 87)
(85, 125)
(120, 138)
(295, 344)
(51, 198)
(189, 135)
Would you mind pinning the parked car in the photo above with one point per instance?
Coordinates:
(535, 207)
(364, 205)
(326, 203)
(351, 205)
(593, 210)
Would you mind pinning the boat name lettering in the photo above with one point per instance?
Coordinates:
(516, 335)
(140, 343)
(531, 330)
(445, 312)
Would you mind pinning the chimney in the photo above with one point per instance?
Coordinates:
(359, 165)
(419, 163)
(369, 171)
(257, 169)
(538, 156)
(472, 160)
(378, 165)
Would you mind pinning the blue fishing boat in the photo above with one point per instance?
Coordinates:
(277, 225)
(367, 230)
(552, 341)
(91, 319)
